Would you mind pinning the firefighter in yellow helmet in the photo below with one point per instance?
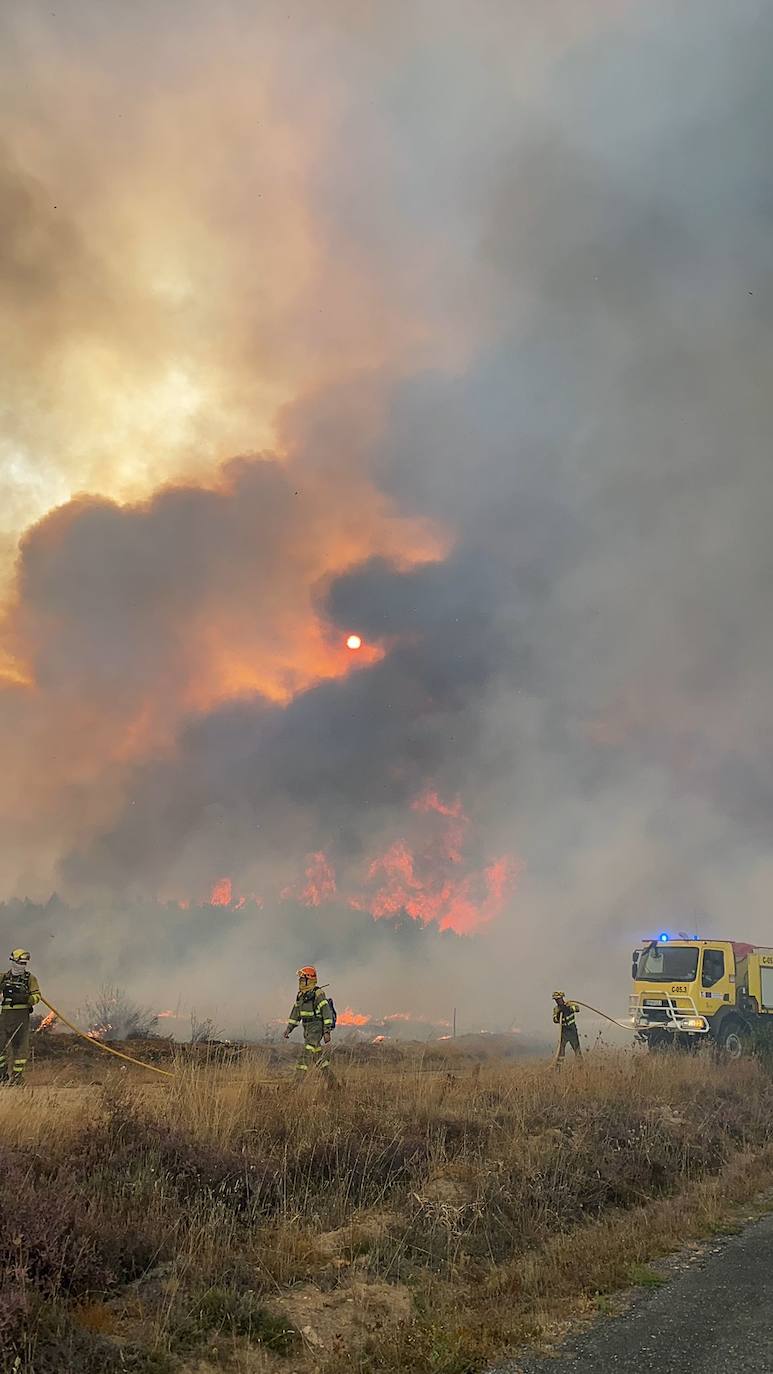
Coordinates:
(19, 993)
(311, 1010)
(565, 1016)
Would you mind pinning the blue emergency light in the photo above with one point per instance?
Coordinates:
(663, 938)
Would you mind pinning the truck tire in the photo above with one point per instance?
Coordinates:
(734, 1038)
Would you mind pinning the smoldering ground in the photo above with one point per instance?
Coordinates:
(563, 574)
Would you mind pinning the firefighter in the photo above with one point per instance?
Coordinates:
(565, 1016)
(311, 1010)
(19, 993)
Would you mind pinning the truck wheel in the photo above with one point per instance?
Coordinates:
(734, 1038)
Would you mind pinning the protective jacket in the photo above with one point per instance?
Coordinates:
(565, 1014)
(19, 990)
(311, 1010)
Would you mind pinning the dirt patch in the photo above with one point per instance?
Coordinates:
(244, 1359)
(97, 1317)
(451, 1187)
(364, 1231)
(339, 1322)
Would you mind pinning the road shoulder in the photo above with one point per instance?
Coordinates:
(680, 1316)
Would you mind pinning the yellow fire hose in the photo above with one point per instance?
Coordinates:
(272, 1082)
(597, 1012)
(621, 1024)
(98, 1044)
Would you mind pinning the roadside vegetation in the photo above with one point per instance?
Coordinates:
(414, 1218)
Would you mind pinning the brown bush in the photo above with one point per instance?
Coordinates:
(202, 1195)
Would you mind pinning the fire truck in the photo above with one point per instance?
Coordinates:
(686, 990)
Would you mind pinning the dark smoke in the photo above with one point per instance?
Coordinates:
(589, 667)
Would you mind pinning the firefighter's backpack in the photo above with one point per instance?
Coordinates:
(15, 989)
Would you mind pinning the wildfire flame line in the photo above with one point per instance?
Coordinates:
(348, 1017)
(426, 883)
(320, 885)
(222, 893)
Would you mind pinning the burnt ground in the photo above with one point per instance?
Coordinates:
(63, 1053)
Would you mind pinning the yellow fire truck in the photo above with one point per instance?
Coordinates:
(686, 990)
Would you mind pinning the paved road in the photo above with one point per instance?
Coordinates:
(713, 1317)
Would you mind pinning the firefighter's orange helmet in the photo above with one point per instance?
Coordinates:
(308, 972)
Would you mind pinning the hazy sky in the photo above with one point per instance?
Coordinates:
(444, 321)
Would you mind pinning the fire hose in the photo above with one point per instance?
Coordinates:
(621, 1024)
(168, 1073)
(597, 1012)
(98, 1044)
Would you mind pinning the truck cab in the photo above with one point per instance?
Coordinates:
(687, 989)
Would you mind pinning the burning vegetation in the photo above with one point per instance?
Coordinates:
(428, 878)
(112, 1015)
(349, 1017)
(319, 882)
(222, 893)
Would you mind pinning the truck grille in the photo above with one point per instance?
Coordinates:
(655, 1014)
(669, 1011)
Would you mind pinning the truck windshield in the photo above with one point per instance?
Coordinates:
(668, 964)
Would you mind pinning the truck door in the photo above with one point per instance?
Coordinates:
(715, 987)
(766, 987)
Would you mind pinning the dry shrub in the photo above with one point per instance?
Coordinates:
(479, 1177)
(47, 1240)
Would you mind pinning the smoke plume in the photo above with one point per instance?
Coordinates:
(480, 293)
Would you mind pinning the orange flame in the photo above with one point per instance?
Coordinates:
(221, 893)
(463, 905)
(450, 841)
(320, 885)
(421, 885)
(430, 801)
(347, 1017)
(47, 1022)
(430, 883)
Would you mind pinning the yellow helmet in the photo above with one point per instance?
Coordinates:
(557, 996)
(20, 956)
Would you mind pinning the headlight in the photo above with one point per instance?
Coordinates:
(693, 1023)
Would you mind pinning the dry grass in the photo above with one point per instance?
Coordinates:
(405, 1220)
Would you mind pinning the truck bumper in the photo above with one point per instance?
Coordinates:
(674, 1015)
